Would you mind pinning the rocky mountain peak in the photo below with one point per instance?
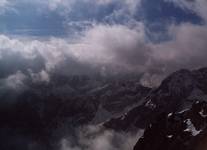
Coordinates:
(180, 131)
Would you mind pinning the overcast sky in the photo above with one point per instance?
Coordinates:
(148, 37)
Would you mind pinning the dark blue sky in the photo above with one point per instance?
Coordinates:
(36, 19)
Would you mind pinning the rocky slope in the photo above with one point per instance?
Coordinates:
(180, 131)
(46, 112)
(177, 92)
(174, 115)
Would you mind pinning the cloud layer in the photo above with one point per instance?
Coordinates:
(95, 138)
(110, 37)
(118, 47)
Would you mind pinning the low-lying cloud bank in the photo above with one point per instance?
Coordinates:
(95, 138)
(85, 138)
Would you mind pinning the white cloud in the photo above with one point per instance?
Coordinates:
(55, 4)
(96, 138)
(15, 81)
(51, 51)
(187, 49)
(3, 3)
(131, 5)
(99, 45)
(105, 44)
(42, 76)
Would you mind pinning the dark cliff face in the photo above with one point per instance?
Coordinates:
(176, 131)
(179, 108)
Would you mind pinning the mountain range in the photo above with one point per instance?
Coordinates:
(172, 115)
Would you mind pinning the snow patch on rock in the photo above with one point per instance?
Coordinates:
(191, 128)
